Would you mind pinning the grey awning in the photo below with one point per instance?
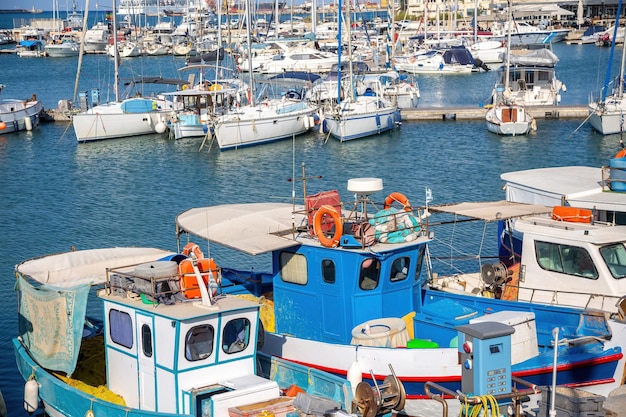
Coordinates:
(491, 211)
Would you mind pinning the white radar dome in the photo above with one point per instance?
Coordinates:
(365, 185)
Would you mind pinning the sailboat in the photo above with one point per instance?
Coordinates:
(506, 117)
(133, 116)
(357, 116)
(269, 120)
(606, 115)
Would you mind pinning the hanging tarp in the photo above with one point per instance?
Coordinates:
(59, 313)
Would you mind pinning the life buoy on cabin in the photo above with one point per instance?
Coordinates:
(193, 248)
(621, 154)
(397, 197)
(215, 87)
(209, 271)
(318, 222)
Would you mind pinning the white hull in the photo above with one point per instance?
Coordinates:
(254, 125)
(508, 120)
(62, 50)
(608, 119)
(19, 115)
(108, 121)
(361, 119)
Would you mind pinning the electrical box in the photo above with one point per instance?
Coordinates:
(485, 354)
(83, 101)
(95, 97)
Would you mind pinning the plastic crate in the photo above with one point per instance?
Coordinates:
(573, 399)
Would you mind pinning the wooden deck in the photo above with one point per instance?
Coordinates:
(477, 113)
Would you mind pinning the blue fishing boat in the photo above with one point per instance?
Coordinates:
(348, 292)
(159, 349)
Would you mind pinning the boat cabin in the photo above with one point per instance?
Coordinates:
(188, 356)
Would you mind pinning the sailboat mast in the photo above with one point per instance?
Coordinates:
(608, 72)
(116, 56)
(621, 68)
(350, 73)
(249, 42)
(82, 50)
(339, 42)
(508, 51)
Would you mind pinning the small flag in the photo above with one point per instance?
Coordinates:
(429, 195)
(108, 16)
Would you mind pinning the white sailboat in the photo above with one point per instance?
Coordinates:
(132, 116)
(357, 116)
(269, 120)
(606, 115)
(506, 117)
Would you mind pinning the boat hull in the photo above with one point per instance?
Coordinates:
(19, 115)
(508, 120)
(360, 124)
(108, 121)
(259, 124)
(608, 119)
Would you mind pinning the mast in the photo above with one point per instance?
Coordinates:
(508, 52)
(608, 72)
(81, 51)
(116, 56)
(249, 42)
(339, 41)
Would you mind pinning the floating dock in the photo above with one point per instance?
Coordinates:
(477, 113)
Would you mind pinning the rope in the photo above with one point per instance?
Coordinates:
(487, 407)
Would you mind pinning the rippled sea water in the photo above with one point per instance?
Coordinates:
(55, 194)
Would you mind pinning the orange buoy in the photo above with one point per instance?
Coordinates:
(397, 197)
(3, 125)
(209, 271)
(318, 222)
(621, 154)
(193, 248)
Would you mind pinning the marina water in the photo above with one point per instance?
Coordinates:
(56, 194)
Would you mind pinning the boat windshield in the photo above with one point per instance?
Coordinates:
(614, 256)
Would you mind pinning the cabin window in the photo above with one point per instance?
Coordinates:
(571, 260)
(370, 274)
(400, 269)
(615, 258)
(199, 342)
(236, 336)
(293, 268)
(328, 271)
(121, 328)
(146, 340)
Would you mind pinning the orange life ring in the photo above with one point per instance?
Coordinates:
(193, 248)
(397, 197)
(318, 226)
(189, 282)
(621, 154)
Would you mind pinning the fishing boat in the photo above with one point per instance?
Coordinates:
(606, 113)
(276, 116)
(506, 117)
(191, 356)
(16, 115)
(354, 116)
(347, 290)
(551, 255)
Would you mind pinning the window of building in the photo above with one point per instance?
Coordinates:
(199, 342)
(236, 335)
(121, 328)
(293, 268)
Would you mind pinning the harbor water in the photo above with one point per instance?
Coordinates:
(56, 194)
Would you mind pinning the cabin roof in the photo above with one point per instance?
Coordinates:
(191, 309)
(491, 211)
(594, 233)
(580, 186)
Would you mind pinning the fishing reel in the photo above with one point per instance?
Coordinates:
(381, 399)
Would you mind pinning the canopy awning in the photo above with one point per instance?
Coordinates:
(70, 269)
(254, 228)
(492, 211)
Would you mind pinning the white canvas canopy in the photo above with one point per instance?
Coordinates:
(251, 228)
(578, 186)
(492, 211)
(70, 269)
